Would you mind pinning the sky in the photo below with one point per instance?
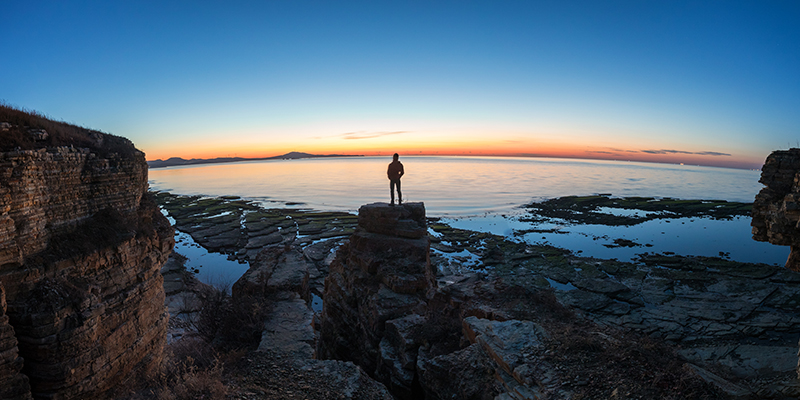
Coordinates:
(695, 82)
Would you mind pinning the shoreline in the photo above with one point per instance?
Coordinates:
(598, 226)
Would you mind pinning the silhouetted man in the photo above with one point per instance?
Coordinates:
(395, 172)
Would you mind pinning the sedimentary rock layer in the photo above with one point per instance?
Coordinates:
(81, 247)
(383, 274)
(46, 191)
(776, 210)
(13, 384)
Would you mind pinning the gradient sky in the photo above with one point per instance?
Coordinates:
(714, 82)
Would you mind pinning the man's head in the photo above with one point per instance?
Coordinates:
(395, 156)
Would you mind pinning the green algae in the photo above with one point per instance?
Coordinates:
(589, 209)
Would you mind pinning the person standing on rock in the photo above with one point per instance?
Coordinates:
(395, 171)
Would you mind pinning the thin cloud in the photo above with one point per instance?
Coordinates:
(712, 153)
(701, 153)
(368, 135)
(613, 151)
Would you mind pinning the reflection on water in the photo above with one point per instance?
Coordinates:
(684, 236)
(453, 186)
(211, 268)
(214, 269)
(484, 193)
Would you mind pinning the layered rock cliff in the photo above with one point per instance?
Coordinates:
(776, 210)
(81, 246)
(13, 384)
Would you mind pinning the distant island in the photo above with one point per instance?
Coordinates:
(294, 155)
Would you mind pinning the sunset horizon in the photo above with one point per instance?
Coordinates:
(695, 82)
(660, 156)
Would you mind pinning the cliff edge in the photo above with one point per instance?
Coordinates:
(81, 247)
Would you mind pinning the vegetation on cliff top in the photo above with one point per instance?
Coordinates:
(22, 129)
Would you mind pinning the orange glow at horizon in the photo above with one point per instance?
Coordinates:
(466, 148)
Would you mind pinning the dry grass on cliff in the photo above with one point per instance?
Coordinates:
(59, 134)
(191, 370)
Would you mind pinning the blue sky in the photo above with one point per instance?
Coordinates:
(663, 81)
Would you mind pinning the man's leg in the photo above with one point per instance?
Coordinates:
(391, 190)
(399, 193)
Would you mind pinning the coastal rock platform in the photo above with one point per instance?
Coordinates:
(719, 326)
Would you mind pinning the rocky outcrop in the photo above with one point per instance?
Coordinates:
(381, 276)
(776, 210)
(384, 311)
(48, 191)
(81, 247)
(497, 335)
(13, 384)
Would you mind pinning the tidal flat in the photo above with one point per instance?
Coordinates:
(733, 317)
(624, 228)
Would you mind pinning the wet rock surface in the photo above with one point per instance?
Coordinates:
(289, 253)
(241, 228)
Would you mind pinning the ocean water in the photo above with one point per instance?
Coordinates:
(485, 194)
(450, 186)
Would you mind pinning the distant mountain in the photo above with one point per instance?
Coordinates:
(176, 161)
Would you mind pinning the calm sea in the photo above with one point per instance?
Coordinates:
(451, 186)
(485, 194)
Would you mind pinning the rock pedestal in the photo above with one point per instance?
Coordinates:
(377, 287)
